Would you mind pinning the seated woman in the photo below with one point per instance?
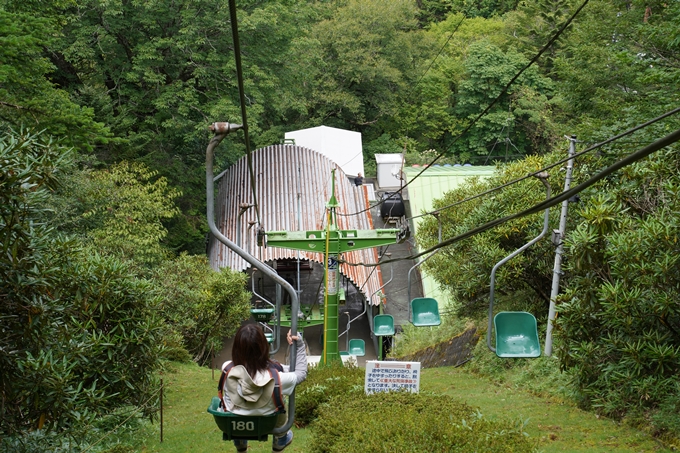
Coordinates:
(248, 382)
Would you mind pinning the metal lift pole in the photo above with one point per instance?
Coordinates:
(221, 130)
(557, 268)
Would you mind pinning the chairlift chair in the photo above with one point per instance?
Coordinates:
(425, 312)
(383, 325)
(245, 427)
(422, 311)
(357, 347)
(516, 332)
(237, 426)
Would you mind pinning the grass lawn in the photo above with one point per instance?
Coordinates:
(556, 426)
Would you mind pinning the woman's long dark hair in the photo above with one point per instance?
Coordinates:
(251, 349)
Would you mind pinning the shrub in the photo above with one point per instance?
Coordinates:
(541, 376)
(414, 339)
(322, 384)
(79, 333)
(201, 306)
(404, 422)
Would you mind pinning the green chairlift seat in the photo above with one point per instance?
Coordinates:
(357, 347)
(383, 325)
(262, 314)
(516, 334)
(425, 312)
(244, 427)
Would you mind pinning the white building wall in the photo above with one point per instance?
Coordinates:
(341, 146)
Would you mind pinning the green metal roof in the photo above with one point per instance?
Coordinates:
(433, 183)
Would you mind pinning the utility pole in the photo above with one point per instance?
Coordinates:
(332, 242)
(558, 239)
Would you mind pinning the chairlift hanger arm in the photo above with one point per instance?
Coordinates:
(221, 130)
(543, 177)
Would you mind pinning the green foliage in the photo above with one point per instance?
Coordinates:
(413, 339)
(27, 97)
(541, 376)
(464, 268)
(619, 321)
(159, 73)
(29, 167)
(537, 22)
(425, 422)
(475, 62)
(80, 333)
(363, 56)
(120, 211)
(323, 384)
(97, 437)
(38, 440)
(619, 62)
(201, 306)
(521, 115)
(483, 8)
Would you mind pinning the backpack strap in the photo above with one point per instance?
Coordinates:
(220, 383)
(277, 396)
(223, 376)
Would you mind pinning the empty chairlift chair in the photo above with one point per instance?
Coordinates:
(423, 311)
(383, 325)
(516, 332)
(357, 347)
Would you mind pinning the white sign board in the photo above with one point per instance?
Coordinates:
(389, 376)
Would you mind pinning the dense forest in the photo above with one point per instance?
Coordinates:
(104, 112)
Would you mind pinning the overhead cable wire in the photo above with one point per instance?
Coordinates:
(441, 49)
(242, 97)
(422, 76)
(488, 107)
(555, 164)
(630, 159)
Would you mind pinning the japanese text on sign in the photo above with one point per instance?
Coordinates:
(392, 376)
(332, 275)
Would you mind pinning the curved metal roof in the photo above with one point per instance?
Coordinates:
(293, 185)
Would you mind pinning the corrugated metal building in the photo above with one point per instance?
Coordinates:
(293, 185)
